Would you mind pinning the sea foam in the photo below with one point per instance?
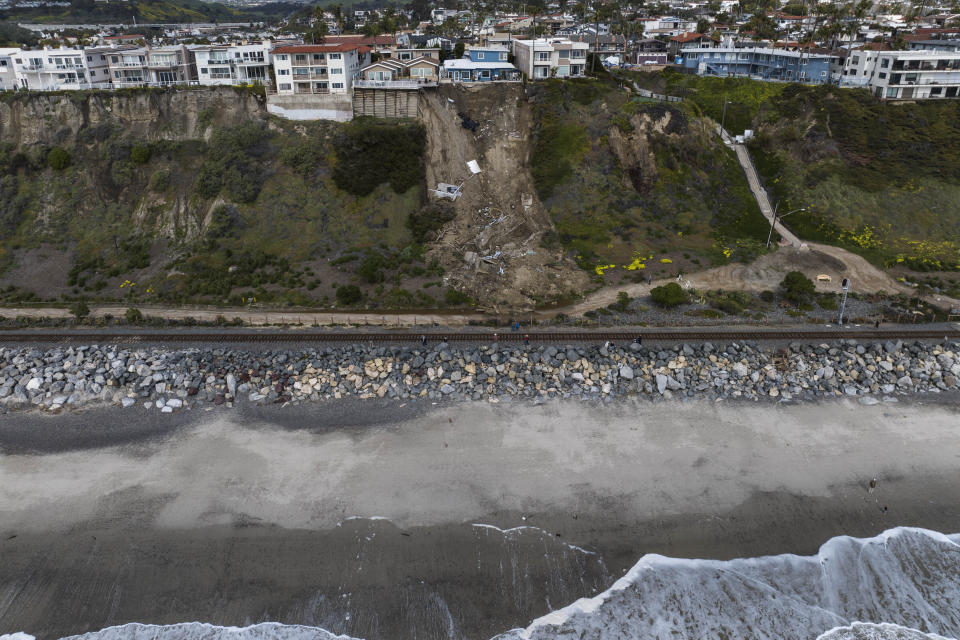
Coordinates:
(904, 576)
(903, 584)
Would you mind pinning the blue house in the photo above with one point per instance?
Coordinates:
(484, 64)
(758, 63)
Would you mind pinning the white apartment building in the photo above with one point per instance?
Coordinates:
(8, 78)
(317, 68)
(152, 67)
(232, 64)
(907, 75)
(550, 57)
(59, 69)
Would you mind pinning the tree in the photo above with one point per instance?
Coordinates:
(133, 316)
(458, 50)
(797, 287)
(669, 295)
(80, 310)
(703, 26)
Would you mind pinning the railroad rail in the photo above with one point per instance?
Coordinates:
(510, 337)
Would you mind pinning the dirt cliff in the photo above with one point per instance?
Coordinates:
(492, 249)
(155, 114)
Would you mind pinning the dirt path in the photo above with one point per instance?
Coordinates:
(767, 272)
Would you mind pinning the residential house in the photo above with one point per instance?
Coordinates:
(50, 69)
(691, 40)
(542, 58)
(387, 72)
(604, 45)
(440, 15)
(759, 63)
(8, 77)
(910, 75)
(234, 63)
(152, 66)
(934, 45)
(482, 64)
(408, 53)
(317, 68)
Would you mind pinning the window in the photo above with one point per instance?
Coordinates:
(301, 72)
(220, 73)
(336, 71)
(299, 58)
(563, 54)
(503, 56)
(336, 85)
(883, 76)
(936, 91)
(543, 56)
(203, 71)
(892, 92)
(335, 56)
(856, 60)
(283, 72)
(285, 86)
(480, 55)
(282, 57)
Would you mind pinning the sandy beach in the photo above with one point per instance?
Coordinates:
(361, 517)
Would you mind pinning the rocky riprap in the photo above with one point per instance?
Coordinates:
(169, 379)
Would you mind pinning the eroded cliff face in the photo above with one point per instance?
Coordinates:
(57, 118)
(492, 249)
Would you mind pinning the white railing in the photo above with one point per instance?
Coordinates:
(393, 84)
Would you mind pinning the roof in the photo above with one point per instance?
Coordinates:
(316, 48)
(465, 63)
(688, 37)
(361, 39)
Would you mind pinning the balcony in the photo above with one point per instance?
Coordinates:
(300, 77)
(163, 64)
(393, 84)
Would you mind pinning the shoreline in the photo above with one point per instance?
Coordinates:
(275, 514)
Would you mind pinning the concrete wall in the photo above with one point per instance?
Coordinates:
(334, 106)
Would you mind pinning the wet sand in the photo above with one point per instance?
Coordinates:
(241, 517)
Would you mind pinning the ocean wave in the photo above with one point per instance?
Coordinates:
(903, 584)
(203, 631)
(882, 631)
(905, 576)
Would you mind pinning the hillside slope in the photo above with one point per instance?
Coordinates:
(638, 188)
(880, 179)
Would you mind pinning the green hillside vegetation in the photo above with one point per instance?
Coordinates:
(256, 212)
(89, 11)
(881, 179)
(630, 203)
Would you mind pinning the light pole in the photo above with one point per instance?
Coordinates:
(773, 222)
(723, 115)
(845, 286)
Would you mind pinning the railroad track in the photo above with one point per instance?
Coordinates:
(511, 337)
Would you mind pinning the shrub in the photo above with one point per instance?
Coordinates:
(424, 223)
(133, 316)
(623, 301)
(827, 302)
(302, 157)
(669, 295)
(140, 155)
(348, 294)
(371, 269)
(767, 296)
(797, 287)
(160, 181)
(456, 298)
(58, 158)
(80, 309)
